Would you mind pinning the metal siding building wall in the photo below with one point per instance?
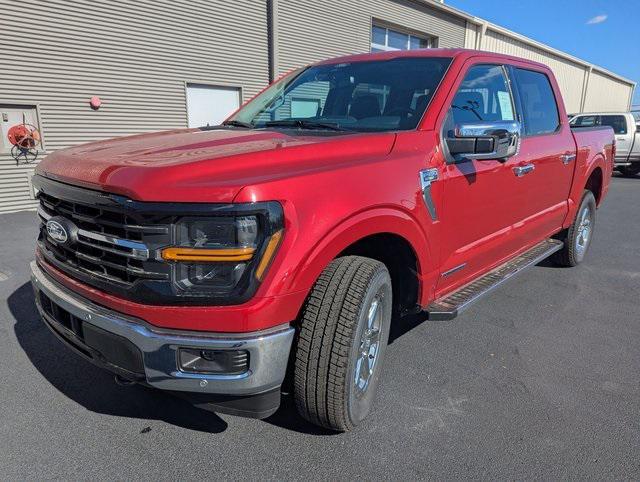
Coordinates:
(136, 56)
(471, 34)
(606, 94)
(309, 30)
(570, 76)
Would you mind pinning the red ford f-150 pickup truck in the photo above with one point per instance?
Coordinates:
(217, 263)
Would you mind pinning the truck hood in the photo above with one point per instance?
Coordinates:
(193, 165)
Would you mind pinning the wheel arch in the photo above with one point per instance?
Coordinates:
(365, 234)
(401, 260)
(592, 178)
(595, 182)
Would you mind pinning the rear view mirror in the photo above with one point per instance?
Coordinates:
(484, 140)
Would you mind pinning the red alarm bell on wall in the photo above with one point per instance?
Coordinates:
(95, 102)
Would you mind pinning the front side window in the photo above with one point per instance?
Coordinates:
(584, 121)
(484, 95)
(379, 95)
(539, 107)
(617, 122)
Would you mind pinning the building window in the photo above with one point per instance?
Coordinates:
(384, 39)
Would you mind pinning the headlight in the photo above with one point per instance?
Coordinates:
(227, 255)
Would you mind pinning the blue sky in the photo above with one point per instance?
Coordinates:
(602, 32)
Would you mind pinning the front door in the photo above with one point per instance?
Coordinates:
(483, 199)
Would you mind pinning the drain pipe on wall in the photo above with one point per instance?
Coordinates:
(272, 38)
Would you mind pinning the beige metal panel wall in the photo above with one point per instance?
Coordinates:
(570, 75)
(471, 34)
(309, 30)
(606, 94)
(136, 55)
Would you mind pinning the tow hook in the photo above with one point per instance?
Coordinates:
(123, 382)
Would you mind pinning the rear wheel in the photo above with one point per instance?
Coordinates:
(578, 236)
(630, 171)
(341, 343)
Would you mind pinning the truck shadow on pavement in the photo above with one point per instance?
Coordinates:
(92, 387)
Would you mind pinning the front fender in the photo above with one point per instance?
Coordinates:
(301, 267)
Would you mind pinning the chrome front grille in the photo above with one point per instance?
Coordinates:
(108, 244)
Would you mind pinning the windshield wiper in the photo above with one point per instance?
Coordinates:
(237, 123)
(304, 124)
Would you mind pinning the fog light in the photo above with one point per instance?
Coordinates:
(219, 362)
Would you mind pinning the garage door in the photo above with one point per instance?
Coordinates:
(209, 105)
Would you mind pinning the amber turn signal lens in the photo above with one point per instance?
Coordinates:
(268, 254)
(207, 255)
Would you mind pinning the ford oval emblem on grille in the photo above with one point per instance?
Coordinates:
(61, 230)
(56, 231)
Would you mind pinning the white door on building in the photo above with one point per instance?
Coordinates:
(208, 105)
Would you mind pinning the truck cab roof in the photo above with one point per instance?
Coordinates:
(461, 54)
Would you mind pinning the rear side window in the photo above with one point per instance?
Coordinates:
(617, 122)
(538, 103)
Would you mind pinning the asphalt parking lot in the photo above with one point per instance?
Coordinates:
(539, 380)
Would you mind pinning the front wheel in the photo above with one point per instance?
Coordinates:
(629, 171)
(578, 236)
(341, 343)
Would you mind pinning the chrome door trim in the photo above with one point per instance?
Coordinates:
(520, 171)
(453, 270)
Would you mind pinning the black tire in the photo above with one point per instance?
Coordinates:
(629, 171)
(330, 344)
(574, 250)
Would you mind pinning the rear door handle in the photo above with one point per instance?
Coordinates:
(522, 170)
(567, 158)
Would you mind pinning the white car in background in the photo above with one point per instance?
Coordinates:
(626, 126)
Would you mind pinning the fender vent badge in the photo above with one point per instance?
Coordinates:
(427, 176)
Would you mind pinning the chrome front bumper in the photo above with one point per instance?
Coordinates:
(268, 350)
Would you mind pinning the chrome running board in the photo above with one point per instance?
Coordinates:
(449, 306)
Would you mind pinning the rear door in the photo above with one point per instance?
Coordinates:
(547, 145)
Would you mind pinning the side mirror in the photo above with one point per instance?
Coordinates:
(496, 140)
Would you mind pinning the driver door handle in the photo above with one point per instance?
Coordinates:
(567, 158)
(520, 171)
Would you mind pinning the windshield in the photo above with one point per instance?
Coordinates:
(379, 95)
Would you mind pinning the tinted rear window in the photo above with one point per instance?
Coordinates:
(538, 102)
